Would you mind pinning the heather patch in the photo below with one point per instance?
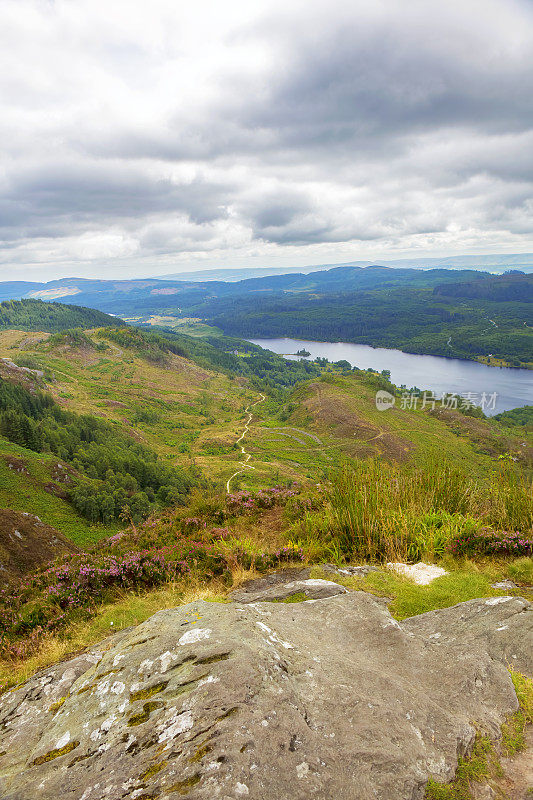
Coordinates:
(74, 587)
(487, 541)
(245, 501)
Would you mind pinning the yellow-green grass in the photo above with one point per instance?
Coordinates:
(185, 413)
(521, 570)
(465, 581)
(177, 408)
(294, 454)
(342, 411)
(131, 609)
(190, 415)
(24, 491)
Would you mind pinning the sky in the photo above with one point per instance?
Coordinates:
(139, 138)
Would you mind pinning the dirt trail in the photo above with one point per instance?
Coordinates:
(247, 456)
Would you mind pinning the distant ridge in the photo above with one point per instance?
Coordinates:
(230, 275)
(491, 263)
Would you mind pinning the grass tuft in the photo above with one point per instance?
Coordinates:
(297, 597)
(483, 763)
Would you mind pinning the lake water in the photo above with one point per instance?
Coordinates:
(513, 387)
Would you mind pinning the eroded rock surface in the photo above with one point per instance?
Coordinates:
(321, 699)
(501, 625)
(360, 571)
(279, 586)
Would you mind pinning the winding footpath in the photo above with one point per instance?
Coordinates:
(247, 456)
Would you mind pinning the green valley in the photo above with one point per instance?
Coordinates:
(123, 440)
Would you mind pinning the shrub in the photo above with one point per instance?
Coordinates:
(487, 541)
(246, 501)
(76, 585)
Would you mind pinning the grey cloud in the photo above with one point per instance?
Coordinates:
(58, 198)
(275, 209)
(368, 122)
(359, 87)
(413, 67)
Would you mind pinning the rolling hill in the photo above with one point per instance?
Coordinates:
(180, 402)
(127, 297)
(36, 315)
(138, 466)
(458, 313)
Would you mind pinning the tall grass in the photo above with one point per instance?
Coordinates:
(383, 510)
(509, 500)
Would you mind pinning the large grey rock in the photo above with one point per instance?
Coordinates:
(500, 625)
(284, 584)
(322, 699)
(360, 571)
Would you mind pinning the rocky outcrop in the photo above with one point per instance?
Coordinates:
(284, 585)
(30, 378)
(26, 542)
(360, 571)
(321, 699)
(502, 626)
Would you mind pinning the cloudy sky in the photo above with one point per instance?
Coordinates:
(141, 137)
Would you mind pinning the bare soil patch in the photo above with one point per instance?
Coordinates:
(27, 543)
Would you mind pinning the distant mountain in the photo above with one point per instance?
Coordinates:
(154, 296)
(184, 292)
(238, 274)
(17, 289)
(492, 263)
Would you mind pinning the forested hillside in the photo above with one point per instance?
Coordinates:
(457, 313)
(37, 315)
(513, 286)
(112, 475)
(417, 321)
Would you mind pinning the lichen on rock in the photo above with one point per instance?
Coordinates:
(317, 699)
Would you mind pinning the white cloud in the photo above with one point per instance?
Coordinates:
(137, 136)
